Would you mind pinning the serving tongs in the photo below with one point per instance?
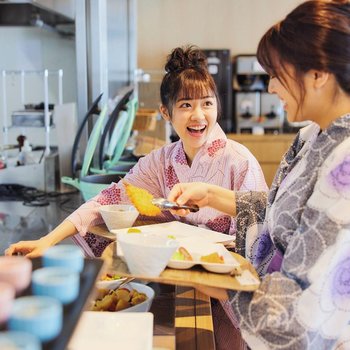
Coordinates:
(164, 204)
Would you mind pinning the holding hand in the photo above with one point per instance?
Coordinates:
(203, 194)
(189, 194)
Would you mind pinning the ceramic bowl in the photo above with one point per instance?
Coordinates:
(118, 216)
(19, 340)
(141, 288)
(38, 315)
(16, 270)
(64, 255)
(57, 282)
(146, 255)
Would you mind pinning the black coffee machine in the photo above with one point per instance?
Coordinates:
(256, 111)
(220, 67)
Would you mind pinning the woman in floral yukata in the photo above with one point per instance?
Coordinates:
(299, 238)
(190, 103)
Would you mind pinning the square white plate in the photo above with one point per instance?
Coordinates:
(179, 231)
(198, 249)
(112, 330)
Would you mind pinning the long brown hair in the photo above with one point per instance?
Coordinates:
(187, 74)
(315, 35)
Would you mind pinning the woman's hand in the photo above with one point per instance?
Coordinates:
(31, 249)
(189, 194)
(203, 194)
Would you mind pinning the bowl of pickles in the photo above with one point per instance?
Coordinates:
(133, 297)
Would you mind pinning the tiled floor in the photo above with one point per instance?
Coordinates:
(20, 222)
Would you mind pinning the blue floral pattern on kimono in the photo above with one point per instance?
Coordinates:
(299, 241)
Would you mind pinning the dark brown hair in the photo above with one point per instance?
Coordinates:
(187, 74)
(315, 35)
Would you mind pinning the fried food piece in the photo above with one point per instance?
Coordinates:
(123, 294)
(212, 258)
(122, 304)
(142, 200)
(138, 298)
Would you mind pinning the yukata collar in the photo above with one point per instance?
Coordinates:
(342, 122)
(216, 141)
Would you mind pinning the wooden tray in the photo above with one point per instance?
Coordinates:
(193, 277)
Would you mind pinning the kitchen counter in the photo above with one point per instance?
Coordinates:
(34, 220)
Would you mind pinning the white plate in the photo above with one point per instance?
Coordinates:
(180, 231)
(111, 284)
(198, 249)
(113, 330)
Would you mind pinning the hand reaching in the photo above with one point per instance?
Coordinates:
(30, 249)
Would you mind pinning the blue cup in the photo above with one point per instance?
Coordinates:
(37, 315)
(64, 255)
(56, 282)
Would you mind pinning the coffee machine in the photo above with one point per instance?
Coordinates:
(220, 67)
(256, 111)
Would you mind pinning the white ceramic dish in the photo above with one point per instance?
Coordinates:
(144, 306)
(111, 284)
(181, 231)
(118, 216)
(113, 330)
(198, 249)
(146, 255)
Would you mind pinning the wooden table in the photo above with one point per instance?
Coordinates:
(190, 324)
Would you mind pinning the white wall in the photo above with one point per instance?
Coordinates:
(28, 48)
(214, 24)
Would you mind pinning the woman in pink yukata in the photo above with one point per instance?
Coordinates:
(190, 103)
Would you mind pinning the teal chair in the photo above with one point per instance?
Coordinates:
(90, 185)
(118, 129)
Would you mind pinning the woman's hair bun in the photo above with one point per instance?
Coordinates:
(188, 57)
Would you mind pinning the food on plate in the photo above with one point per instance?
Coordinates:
(182, 254)
(110, 277)
(142, 200)
(116, 300)
(134, 230)
(213, 258)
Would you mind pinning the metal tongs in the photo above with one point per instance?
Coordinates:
(164, 204)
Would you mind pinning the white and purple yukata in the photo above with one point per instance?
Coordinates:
(300, 245)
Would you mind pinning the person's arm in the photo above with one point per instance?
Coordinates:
(203, 194)
(36, 248)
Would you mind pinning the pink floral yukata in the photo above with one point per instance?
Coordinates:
(220, 161)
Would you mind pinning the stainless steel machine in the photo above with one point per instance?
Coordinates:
(256, 111)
